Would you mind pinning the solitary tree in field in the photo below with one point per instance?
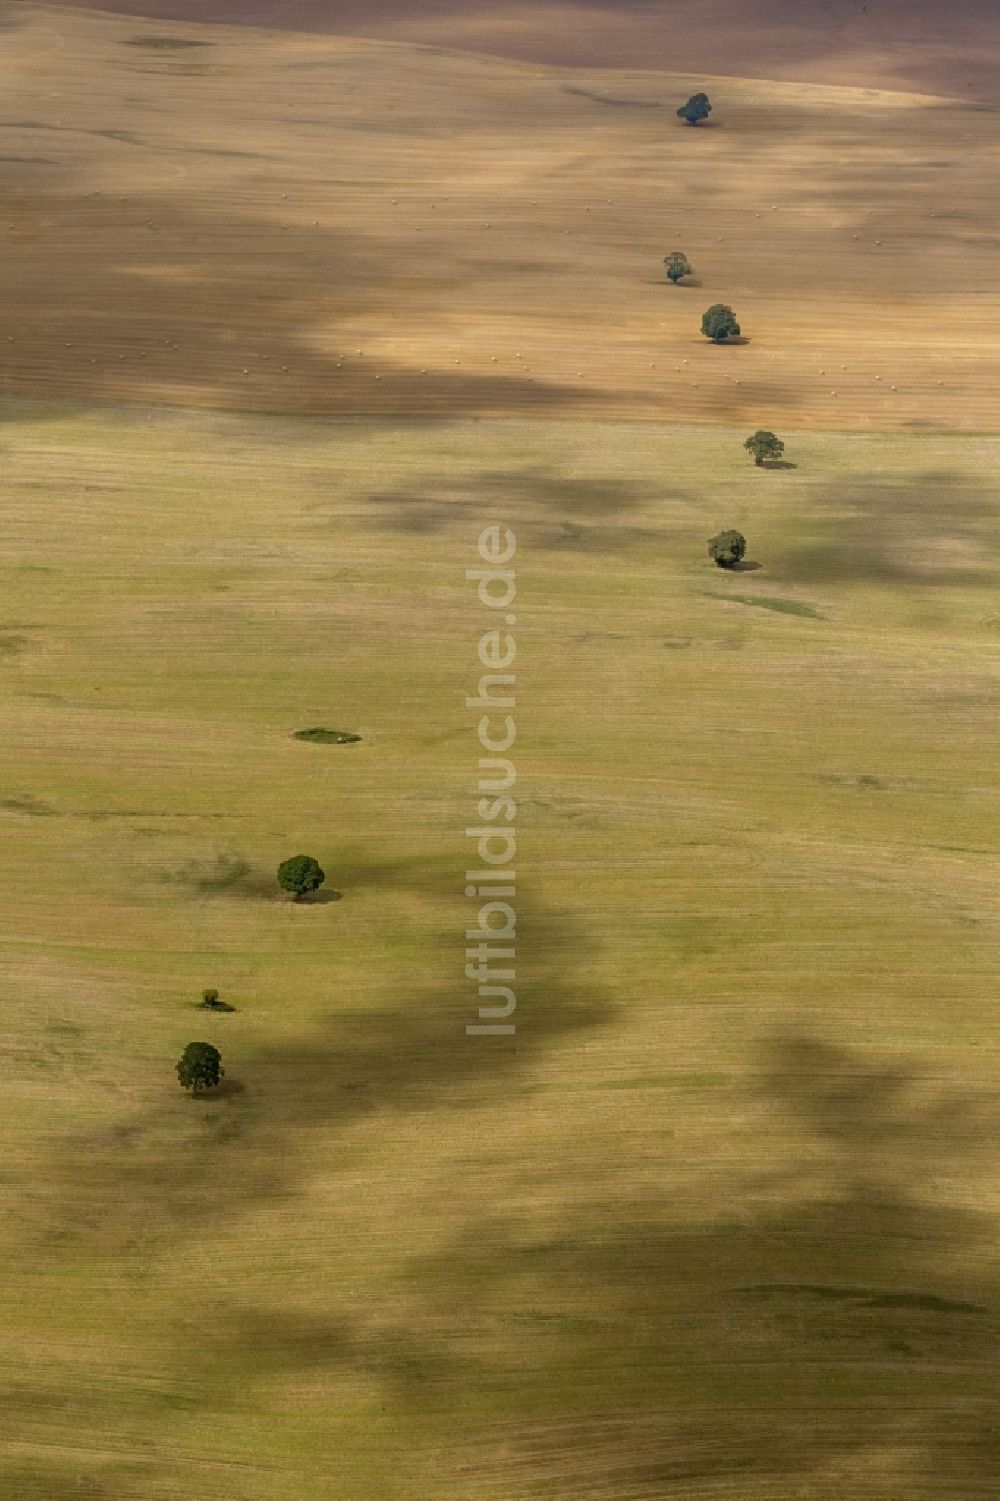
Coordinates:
(300, 875)
(200, 1067)
(764, 445)
(677, 265)
(697, 109)
(728, 548)
(718, 323)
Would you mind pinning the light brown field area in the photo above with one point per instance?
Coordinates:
(923, 44)
(270, 221)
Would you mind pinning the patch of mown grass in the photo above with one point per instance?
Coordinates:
(779, 606)
(924, 1302)
(320, 736)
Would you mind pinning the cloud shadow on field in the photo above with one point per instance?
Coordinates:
(828, 1285)
(264, 305)
(892, 43)
(550, 509)
(929, 529)
(221, 308)
(44, 1479)
(819, 1267)
(389, 1059)
(118, 1197)
(831, 1315)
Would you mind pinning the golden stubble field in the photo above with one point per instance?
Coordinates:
(721, 1223)
(228, 223)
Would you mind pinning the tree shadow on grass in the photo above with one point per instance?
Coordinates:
(322, 898)
(226, 1089)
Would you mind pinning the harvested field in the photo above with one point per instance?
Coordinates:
(230, 226)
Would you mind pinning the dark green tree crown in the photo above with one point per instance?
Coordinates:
(300, 874)
(763, 444)
(200, 1067)
(727, 548)
(719, 322)
(677, 265)
(697, 108)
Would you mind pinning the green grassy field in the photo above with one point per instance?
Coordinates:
(720, 1221)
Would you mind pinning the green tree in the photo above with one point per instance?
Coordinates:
(200, 1067)
(697, 109)
(728, 548)
(677, 265)
(764, 445)
(719, 323)
(300, 875)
